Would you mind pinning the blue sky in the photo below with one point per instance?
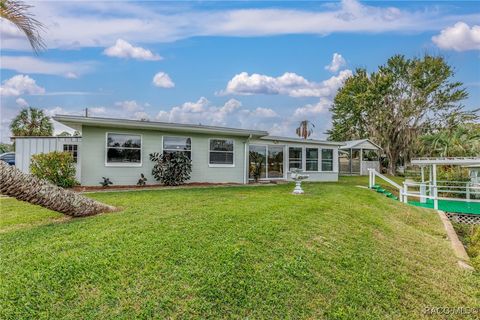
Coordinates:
(260, 65)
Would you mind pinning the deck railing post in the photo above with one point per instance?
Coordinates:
(423, 193)
(435, 197)
(405, 191)
(372, 175)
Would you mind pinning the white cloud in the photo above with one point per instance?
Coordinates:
(20, 84)
(459, 37)
(96, 111)
(162, 80)
(99, 24)
(337, 63)
(71, 75)
(50, 112)
(312, 110)
(202, 111)
(123, 49)
(38, 66)
(21, 102)
(141, 115)
(289, 84)
(129, 105)
(262, 112)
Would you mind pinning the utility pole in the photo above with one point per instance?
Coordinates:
(86, 112)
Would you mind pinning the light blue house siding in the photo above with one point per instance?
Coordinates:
(94, 165)
(133, 141)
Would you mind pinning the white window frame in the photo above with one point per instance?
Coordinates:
(176, 136)
(72, 144)
(123, 164)
(303, 164)
(321, 160)
(319, 156)
(285, 161)
(218, 165)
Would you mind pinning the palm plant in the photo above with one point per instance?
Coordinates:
(17, 13)
(26, 187)
(305, 129)
(461, 141)
(31, 122)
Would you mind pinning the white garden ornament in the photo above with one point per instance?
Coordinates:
(298, 176)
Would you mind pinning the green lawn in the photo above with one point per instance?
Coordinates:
(337, 252)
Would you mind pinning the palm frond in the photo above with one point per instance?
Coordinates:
(17, 13)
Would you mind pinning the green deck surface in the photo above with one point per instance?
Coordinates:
(451, 206)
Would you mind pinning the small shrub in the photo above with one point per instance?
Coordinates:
(55, 167)
(106, 182)
(142, 181)
(171, 169)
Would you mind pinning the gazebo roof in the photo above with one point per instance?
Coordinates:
(455, 161)
(355, 143)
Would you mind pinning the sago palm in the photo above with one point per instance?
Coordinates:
(17, 13)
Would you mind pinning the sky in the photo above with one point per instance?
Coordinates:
(248, 64)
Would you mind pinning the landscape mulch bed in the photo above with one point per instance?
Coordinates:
(160, 186)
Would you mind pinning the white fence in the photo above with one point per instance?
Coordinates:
(443, 190)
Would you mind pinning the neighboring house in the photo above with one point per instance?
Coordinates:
(119, 149)
(357, 156)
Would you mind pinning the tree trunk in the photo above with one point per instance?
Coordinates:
(26, 187)
(392, 162)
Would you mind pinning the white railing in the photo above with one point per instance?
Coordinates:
(424, 191)
(465, 190)
(372, 174)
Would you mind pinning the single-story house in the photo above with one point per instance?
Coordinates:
(357, 156)
(119, 149)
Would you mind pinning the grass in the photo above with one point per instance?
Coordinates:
(337, 252)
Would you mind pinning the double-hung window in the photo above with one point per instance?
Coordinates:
(72, 149)
(327, 160)
(311, 159)
(294, 158)
(221, 152)
(177, 144)
(124, 149)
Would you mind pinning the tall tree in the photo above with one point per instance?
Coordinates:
(31, 122)
(17, 12)
(398, 103)
(305, 129)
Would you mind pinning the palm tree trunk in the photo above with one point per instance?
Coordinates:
(26, 187)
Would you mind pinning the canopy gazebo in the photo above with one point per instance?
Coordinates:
(356, 157)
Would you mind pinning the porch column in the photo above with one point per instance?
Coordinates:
(361, 160)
